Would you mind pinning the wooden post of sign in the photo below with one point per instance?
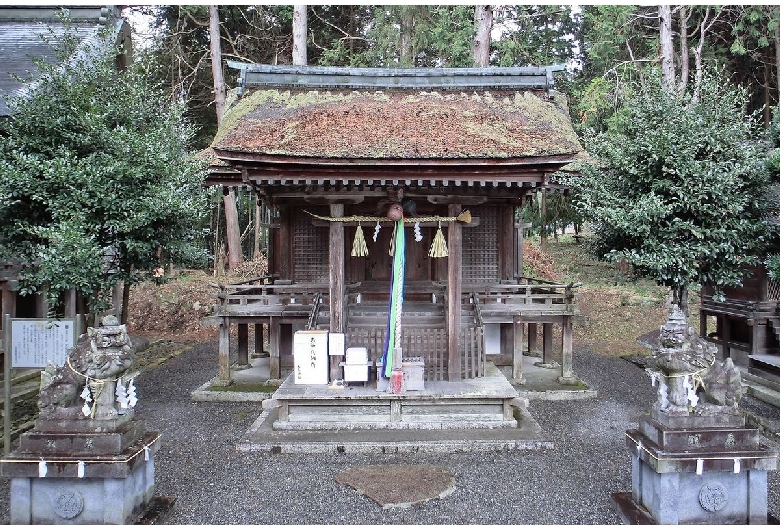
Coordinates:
(7, 384)
(454, 281)
(336, 283)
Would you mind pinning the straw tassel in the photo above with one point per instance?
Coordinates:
(359, 248)
(439, 245)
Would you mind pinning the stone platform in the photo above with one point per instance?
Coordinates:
(481, 403)
(482, 414)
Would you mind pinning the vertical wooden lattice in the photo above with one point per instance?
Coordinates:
(472, 352)
(310, 248)
(480, 246)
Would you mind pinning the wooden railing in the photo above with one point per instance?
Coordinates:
(526, 292)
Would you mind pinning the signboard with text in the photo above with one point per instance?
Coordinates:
(35, 342)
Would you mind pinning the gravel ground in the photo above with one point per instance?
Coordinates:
(215, 484)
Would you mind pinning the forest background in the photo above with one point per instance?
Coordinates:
(606, 50)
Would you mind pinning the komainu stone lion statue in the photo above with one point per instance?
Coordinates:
(88, 381)
(690, 379)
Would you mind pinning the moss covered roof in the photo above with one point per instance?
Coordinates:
(397, 124)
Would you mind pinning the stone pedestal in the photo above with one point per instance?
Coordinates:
(82, 477)
(687, 471)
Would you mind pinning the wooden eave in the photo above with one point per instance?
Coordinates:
(267, 170)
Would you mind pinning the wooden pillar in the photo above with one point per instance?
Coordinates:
(758, 340)
(259, 338)
(69, 301)
(518, 246)
(507, 337)
(454, 280)
(726, 335)
(336, 283)
(506, 243)
(547, 335)
(702, 324)
(243, 344)
(41, 305)
(517, 353)
(543, 232)
(283, 242)
(224, 351)
(532, 332)
(9, 299)
(567, 368)
(275, 341)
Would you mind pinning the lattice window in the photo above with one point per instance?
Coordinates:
(480, 246)
(773, 288)
(311, 255)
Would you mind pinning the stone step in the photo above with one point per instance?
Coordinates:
(765, 394)
(756, 380)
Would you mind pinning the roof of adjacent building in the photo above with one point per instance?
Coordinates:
(23, 33)
(494, 113)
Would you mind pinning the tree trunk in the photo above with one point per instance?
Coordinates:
(299, 35)
(233, 233)
(777, 50)
(667, 48)
(125, 303)
(216, 63)
(407, 29)
(231, 214)
(767, 94)
(483, 22)
(685, 58)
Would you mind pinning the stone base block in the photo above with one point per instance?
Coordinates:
(709, 498)
(82, 501)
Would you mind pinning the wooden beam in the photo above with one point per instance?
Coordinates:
(336, 282)
(454, 281)
(457, 199)
(342, 198)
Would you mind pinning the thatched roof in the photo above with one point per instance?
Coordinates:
(398, 124)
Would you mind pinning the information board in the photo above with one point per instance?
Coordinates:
(34, 342)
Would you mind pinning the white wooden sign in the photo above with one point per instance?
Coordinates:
(34, 342)
(310, 355)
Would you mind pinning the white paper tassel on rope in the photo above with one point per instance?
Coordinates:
(82, 469)
(86, 395)
(699, 466)
(376, 231)
(146, 453)
(417, 233)
(121, 394)
(42, 468)
(737, 466)
(131, 399)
